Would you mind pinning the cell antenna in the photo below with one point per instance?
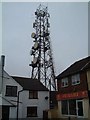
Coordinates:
(41, 52)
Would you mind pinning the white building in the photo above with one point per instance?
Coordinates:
(34, 99)
(9, 96)
(31, 97)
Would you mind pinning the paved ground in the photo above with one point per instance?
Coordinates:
(51, 119)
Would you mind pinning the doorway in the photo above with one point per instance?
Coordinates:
(79, 107)
(5, 112)
(45, 115)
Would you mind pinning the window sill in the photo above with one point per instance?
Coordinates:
(76, 84)
(10, 96)
(31, 116)
(64, 86)
(33, 98)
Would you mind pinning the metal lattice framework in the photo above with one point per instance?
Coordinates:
(42, 63)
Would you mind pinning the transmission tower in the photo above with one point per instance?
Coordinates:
(42, 63)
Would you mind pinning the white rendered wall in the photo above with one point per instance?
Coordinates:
(85, 107)
(41, 103)
(7, 101)
(13, 112)
(7, 80)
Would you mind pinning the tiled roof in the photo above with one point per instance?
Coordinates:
(78, 66)
(30, 84)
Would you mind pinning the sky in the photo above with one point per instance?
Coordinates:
(68, 33)
(0, 28)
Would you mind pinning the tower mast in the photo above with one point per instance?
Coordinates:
(42, 63)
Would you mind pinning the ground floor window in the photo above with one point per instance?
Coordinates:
(31, 111)
(72, 107)
(64, 108)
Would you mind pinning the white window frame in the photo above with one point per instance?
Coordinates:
(64, 82)
(76, 108)
(33, 94)
(75, 79)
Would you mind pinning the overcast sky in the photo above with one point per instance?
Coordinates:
(68, 31)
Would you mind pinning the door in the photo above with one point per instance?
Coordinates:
(5, 113)
(45, 115)
(79, 108)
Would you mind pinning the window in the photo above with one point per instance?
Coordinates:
(65, 107)
(64, 82)
(11, 91)
(69, 107)
(76, 79)
(72, 107)
(33, 94)
(31, 111)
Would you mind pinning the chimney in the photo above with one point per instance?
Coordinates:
(1, 72)
(2, 60)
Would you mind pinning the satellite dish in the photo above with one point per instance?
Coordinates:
(36, 45)
(33, 35)
(42, 34)
(35, 60)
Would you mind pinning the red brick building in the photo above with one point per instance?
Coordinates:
(73, 93)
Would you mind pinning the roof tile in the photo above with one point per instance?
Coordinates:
(30, 84)
(76, 67)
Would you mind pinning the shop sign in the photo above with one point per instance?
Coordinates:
(74, 95)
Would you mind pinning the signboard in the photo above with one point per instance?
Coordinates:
(74, 95)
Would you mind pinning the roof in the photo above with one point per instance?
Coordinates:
(30, 84)
(78, 66)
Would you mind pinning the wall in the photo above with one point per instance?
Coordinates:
(88, 79)
(85, 107)
(53, 113)
(7, 80)
(0, 99)
(59, 109)
(41, 103)
(13, 112)
(74, 88)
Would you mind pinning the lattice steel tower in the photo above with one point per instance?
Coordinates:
(42, 63)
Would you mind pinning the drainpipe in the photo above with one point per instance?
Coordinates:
(18, 102)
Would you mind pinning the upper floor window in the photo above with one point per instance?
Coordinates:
(33, 94)
(76, 79)
(64, 82)
(11, 91)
